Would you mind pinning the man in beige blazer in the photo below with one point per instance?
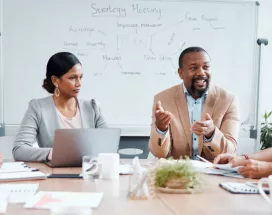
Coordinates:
(195, 117)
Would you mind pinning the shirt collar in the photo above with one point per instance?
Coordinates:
(188, 94)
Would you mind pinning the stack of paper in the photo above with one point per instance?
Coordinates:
(15, 171)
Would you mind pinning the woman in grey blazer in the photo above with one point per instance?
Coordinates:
(62, 110)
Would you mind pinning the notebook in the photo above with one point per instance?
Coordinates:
(17, 176)
(11, 167)
(19, 193)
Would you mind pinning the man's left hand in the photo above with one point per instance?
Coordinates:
(205, 128)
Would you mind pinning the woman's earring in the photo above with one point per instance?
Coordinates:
(57, 91)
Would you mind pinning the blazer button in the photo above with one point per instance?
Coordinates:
(159, 142)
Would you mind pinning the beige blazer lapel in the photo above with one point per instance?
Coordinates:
(183, 114)
(208, 107)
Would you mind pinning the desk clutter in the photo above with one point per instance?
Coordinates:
(146, 180)
(138, 188)
(183, 176)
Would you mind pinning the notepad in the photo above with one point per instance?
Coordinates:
(49, 200)
(15, 176)
(11, 167)
(19, 193)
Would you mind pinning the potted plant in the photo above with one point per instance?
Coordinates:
(176, 174)
(266, 131)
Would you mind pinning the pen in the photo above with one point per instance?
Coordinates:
(203, 159)
(30, 168)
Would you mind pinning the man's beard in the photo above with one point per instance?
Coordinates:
(201, 92)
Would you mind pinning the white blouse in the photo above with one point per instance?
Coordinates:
(74, 122)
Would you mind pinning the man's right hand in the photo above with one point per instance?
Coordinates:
(224, 158)
(163, 118)
(227, 158)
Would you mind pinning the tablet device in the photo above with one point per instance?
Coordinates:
(255, 185)
(239, 188)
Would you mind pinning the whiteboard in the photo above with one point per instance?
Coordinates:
(129, 51)
(1, 74)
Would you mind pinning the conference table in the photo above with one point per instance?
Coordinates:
(211, 200)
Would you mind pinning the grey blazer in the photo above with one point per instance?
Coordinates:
(40, 122)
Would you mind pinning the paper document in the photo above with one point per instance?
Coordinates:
(16, 176)
(226, 167)
(213, 171)
(19, 193)
(15, 167)
(220, 166)
(209, 168)
(49, 200)
(12, 165)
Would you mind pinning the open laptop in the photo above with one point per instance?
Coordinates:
(70, 145)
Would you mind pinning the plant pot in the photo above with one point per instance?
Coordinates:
(177, 183)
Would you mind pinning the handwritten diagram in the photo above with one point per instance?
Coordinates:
(122, 38)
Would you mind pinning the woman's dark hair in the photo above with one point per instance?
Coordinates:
(59, 64)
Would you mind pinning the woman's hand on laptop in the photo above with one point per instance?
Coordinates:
(50, 155)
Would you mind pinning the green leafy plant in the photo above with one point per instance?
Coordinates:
(180, 173)
(266, 132)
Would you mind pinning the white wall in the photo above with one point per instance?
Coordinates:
(1, 76)
(265, 30)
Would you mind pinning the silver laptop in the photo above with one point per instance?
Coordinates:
(70, 145)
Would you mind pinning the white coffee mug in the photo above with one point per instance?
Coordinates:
(110, 165)
(268, 181)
